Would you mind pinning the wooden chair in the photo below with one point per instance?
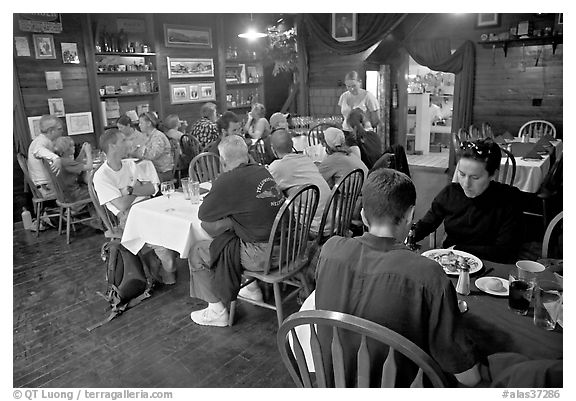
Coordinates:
(474, 132)
(486, 131)
(64, 205)
(537, 129)
(108, 219)
(190, 146)
(340, 206)
(38, 198)
(549, 190)
(510, 163)
(176, 157)
(287, 250)
(258, 152)
(548, 233)
(316, 134)
(342, 324)
(205, 167)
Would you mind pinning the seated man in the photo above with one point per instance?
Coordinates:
(242, 202)
(42, 147)
(121, 183)
(292, 170)
(339, 160)
(376, 277)
(205, 129)
(480, 216)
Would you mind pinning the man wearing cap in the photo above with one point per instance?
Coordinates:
(293, 170)
(339, 160)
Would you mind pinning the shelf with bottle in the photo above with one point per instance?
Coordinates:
(108, 96)
(243, 97)
(553, 40)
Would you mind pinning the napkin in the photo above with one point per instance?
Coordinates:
(534, 154)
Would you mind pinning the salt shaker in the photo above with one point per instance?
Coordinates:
(463, 285)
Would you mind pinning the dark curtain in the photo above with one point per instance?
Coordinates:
(371, 29)
(435, 54)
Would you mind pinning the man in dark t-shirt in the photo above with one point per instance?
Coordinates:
(377, 278)
(245, 199)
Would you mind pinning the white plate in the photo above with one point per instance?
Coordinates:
(482, 281)
(475, 266)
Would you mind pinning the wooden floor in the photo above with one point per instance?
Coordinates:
(153, 345)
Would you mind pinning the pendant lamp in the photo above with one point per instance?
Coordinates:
(252, 32)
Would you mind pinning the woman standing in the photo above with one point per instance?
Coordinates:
(157, 148)
(257, 126)
(357, 98)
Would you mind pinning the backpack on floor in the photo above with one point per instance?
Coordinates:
(128, 280)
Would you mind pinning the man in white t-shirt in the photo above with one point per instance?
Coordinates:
(121, 183)
(42, 147)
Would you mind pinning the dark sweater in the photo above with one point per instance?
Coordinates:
(488, 226)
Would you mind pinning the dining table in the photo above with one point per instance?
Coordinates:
(530, 172)
(494, 328)
(316, 152)
(169, 222)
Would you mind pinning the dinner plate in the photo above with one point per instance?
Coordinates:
(483, 281)
(474, 262)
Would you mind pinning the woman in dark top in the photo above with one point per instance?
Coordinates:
(481, 216)
(368, 141)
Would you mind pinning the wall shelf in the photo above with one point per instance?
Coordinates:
(125, 54)
(129, 95)
(554, 40)
(126, 72)
(244, 84)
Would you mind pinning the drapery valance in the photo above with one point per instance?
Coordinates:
(371, 29)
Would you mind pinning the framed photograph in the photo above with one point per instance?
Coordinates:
(487, 20)
(44, 46)
(34, 125)
(344, 27)
(22, 48)
(70, 53)
(194, 93)
(79, 123)
(56, 106)
(179, 94)
(190, 67)
(187, 36)
(207, 91)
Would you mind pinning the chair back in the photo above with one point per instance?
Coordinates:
(486, 131)
(463, 136)
(23, 162)
(288, 240)
(548, 233)
(205, 167)
(338, 211)
(344, 324)
(190, 146)
(473, 132)
(537, 129)
(108, 219)
(316, 134)
(509, 165)
(258, 152)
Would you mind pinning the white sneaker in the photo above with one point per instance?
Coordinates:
(207, 317)
(252, 292)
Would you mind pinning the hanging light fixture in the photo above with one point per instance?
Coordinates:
(252, 32)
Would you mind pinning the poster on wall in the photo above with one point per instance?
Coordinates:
(56, 106)
(79, 123)
(22, 47)
(44, 46)
(40, 22)
(70, 53)
(34, 125)
(53, 80)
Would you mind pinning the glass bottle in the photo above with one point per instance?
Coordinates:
(410, 240)
(463, 285)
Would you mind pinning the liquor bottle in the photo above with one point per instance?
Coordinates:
(410, 240)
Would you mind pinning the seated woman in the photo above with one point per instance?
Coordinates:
(340, 160)
(157, 147)
(481, 216)
(257, 126)
(367, 142)
(72, 169)
(132, 135)
(172, 125)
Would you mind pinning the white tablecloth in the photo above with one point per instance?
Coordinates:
(529, 173)
(149, 222)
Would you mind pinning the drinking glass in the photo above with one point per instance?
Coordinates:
(522, 282)
(194, 192)
(167, 188)
(547, 304)
(185, 184)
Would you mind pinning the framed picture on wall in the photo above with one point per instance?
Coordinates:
(34, 125)
(187, 36)
(79, 123)
(56, 107)
(192, 92)
(44, 46)
(70, 53)
(179, 94)
(344, 27)
(207, 91)
(190, 67)
(485, 20)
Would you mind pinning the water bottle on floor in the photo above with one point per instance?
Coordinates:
(26, 219)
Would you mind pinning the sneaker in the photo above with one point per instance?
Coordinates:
(207, 317)
(251, 292)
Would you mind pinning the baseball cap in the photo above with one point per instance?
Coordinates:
(278, 118)
(334, 137)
